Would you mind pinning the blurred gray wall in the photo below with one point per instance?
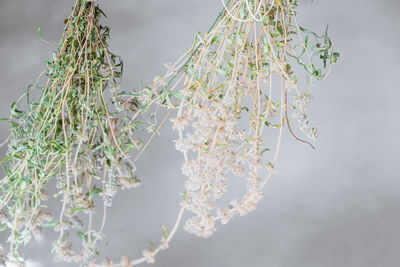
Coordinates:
(336, 206)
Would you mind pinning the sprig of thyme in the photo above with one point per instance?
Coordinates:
(80, 133)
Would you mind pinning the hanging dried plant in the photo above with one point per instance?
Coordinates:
(240, 81)
(73, 136)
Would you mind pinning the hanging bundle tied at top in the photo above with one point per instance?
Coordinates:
(73, 135)
(239, 80)
(236, 91)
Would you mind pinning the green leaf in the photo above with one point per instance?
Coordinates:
(40, 32)
(18, 156)
(101, 11)
(16, 113)
(82, 235)
(141, 85)
(253, 75)
(7, 171)
(165, 231)
(94, 192)
(27, 179)
(5, 159)
(50, 224)
(77, 209)
(28, 93)
(59, 147)
(265, 150)
(216, 38)
(176, 94)
(95, 251)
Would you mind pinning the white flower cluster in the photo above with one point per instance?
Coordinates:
(109, 193)
(301, 104)
(63, 252)
(215, 148)
(149, 255)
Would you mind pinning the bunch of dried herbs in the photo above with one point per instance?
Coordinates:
(79, 134)
(233, 92)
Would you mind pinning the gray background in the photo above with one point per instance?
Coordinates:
(336, 206)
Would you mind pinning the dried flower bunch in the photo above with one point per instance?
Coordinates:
(79, 134)
(233, 91)
(239, 80)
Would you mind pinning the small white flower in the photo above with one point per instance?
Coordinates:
(149, 255)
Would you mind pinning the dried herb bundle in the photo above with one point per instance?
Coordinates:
(239, 83)
(72, 135)
(240, 80)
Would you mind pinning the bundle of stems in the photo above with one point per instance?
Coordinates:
(78, 134)
(238, 80)
(239, 83)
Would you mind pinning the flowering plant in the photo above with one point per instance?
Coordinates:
(239, 81)
(233, 91)
(72, 135)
